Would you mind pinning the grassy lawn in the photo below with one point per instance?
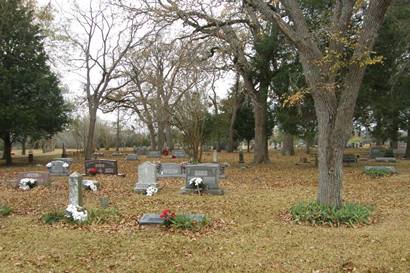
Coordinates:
(248, 230)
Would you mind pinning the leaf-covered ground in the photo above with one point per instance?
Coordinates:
(249, 231)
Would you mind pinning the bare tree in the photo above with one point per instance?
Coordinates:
(106, 37)
(333, 70)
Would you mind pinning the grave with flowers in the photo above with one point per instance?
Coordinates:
(75, 210)
(202, 178)
(147, 177)
(29, 180)
(58, 168)
(170, 170)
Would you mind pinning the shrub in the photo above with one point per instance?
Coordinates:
(317, 214)
(378, 172)
(5, 210)
(103, 215)
(53, 217)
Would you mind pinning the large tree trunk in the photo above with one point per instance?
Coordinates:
(153, 141)
(161, 135)
(261, 142)
(7, 148)
(394, 134)
(407, 155)
(287, 146)
(168, 136)
(89, 148)
(117, 140)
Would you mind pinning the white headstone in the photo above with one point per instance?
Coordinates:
(147, 176)
(75, 189)
(215, 156)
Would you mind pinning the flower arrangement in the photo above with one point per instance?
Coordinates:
(27, 183)
(66, 165)
(198, 183)
(168, 217)
(90, 185)
(151, 190)
(92, 171)
(49, 165)
(76, 213)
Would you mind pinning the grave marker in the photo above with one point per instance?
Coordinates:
(42, 178)
(153, 154)
(131, 157)
(103, 166)
(155, 219)
(58, 168)
(75, 185)
(170, 170)
(147, 176)
(210, 177)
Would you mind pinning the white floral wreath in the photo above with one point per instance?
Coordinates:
(151, 190)
(27, 183)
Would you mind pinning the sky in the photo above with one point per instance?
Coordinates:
(73, 81)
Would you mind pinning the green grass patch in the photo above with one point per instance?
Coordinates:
(186, 222)
(95, 216)
(5, 210)
(317, 214)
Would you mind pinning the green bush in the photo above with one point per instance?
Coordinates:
(53, 217)
(378, 172)
(186, 222)
(317, 214)
(95, 216)
(5, 210)
(102, 216)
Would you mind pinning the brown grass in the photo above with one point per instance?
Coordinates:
(246, 234)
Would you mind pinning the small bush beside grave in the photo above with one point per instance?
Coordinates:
(349, 214)
(95, 216)
(379, 171)
(5, 210)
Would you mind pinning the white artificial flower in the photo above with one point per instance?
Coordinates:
(196, 181)
(49, 165)
(77, 213)
(27, 183)
(151, 190)
(65, 165)
(92, 184)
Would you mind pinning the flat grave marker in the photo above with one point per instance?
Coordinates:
(103, 166)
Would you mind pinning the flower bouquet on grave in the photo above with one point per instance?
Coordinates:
(27, 183)
(198, 183)
(151, 190)
(168, 217)
(76, 213)
(92, 171)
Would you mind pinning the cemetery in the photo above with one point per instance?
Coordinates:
(205, 136)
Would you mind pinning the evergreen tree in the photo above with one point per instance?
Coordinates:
(31, 103)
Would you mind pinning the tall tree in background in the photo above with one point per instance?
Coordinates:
(334, 52)
(106, 37)
(31, 103)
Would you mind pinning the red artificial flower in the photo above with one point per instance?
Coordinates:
(92, 170)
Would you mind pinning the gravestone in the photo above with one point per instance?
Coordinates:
(131, 157)
(141, 151)
(221, 168)
(117, 154)
(153, 154)
(349, 158)
(215, 156)
(98, 154)
(377, 152)
(386, 159)
(210, 177)
(179, 153)
(75, 185)
(103, 166)
(147, 176)
(58, 168)
(67, 160)
(42, 178)
(155, 219)
(170, 170)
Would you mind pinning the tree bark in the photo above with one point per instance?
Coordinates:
(7, 148)
(168, 136)
(117, 141)
(161, 135)
(23, 146)
(153, 141)
(288, 147)
(407, 155)
(89, 148)
(261, 142)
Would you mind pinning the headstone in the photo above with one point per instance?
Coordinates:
(179, 153)
(42, 178)
(349, 158)
(103, 166)
(117, 154)
(141, 151)
(75, 189)
(210, 176)
(215, 156)
(385, 159)
(221, 169)
(389, 169)
(147, 176)
(67, 160)
(97, 154)
(58, 168)
(377, 152)
(155, 219)
(170, 170)
(153, 154)
(131, 157)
